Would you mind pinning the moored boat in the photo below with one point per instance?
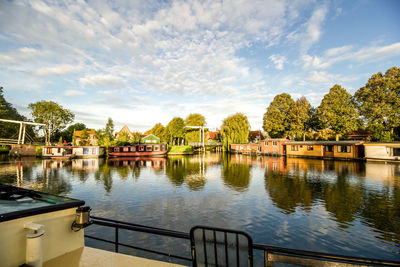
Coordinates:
(68, 152)
(140, 150)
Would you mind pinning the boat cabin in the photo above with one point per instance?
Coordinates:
(72, 151)
(382, 151)
(326, 149)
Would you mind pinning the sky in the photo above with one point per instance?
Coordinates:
(144, 62)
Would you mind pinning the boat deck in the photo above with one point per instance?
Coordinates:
(87, 257)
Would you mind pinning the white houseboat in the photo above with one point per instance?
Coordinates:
(382, 151)
(67, 152)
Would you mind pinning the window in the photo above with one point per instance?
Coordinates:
(125, 149)
(328, 148)
(85, 151)
(295, 148)
(59, 150)
(141, 148)
(133, 148)
(156, 148)
(94, 151)
(344, 149)
(265, 143)
(116, 149)
(48, 150)
(274, 143)
(148, 148)
(241, 147)
(396, 151)
(248, 147)
(310, 148)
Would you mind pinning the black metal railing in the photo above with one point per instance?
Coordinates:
(271, 253)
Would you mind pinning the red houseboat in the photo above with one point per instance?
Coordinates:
(140, 150)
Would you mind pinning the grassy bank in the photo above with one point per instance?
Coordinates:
(4, 150)
(180, 149)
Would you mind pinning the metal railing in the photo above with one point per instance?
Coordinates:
(271, 253)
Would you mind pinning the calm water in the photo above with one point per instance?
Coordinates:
(342, 207)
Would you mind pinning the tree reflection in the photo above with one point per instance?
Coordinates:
(103, 174)
(288, 193)
(189, 170)
(235, 175)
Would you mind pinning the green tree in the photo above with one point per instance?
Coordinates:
(52, 114)
(159, 131)
(235, 129)
(299, 118)
(123, 139)
(379, 103)
(68, 133)
(105, 137)
(338, 111)
(7, 111)
(194, 119)
(84, 138)
(278, 118)
(175, 130)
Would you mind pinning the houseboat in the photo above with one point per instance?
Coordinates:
(382, 151)
(249, 149)
(68, 152)
(38, 229)
(326, 149)
(140, 150)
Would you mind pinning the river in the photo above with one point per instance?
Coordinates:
(342, 207)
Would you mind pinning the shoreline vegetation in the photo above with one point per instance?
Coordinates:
(180, 150)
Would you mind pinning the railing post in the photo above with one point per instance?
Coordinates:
(116, 239)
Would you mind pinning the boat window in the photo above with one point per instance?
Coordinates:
(310, 148)
(328, 148)
(162, 147)
(295, 148)
(59, 150)
(274, 143)
(344, 149)
(141, 148)
(126, 149)
(116, 149)
(94, 151)
(133, 148)
(85, 151)
(396, 151)
(148, 148)
(48, 151)
(265, 143)
(156, 148)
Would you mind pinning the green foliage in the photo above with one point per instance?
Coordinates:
(180, 149)
(68, 133)
(159, 131)
(379, 104)
(105, 137)
(279, 116)
(194, 119)
(84, 138)
(299, 118)
(236, 176)
(52, 114)
(338, 111)
(123, 139)
(235, 129)
(7, 111)
(175, 130)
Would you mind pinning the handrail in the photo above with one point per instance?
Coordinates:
(266, 248)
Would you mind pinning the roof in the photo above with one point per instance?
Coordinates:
(326, 142)
(151, 136)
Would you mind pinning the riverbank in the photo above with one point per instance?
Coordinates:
(180, 150)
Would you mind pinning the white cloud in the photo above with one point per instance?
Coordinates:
(278, 60)
(102, 80)
(73, 93)
(58, 70)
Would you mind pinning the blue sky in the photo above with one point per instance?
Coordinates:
(143, 62)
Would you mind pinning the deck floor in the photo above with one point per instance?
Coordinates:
(88, 257)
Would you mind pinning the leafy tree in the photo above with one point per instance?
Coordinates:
(235, 129)
(7, 111)
(84, 138)
(68, 133)
(175, 130)
(158, 130)
(278, 118)
(123, 139)
(338, 111)
(136, 137)
(105, 136)
(194, 119)
(299, 118)
(379, 103)
(52, 114)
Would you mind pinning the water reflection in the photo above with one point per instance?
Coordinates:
(236, 171)
(334, 206)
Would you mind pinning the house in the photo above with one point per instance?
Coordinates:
(150, 139)
(124, 129)
(212, 136)
(90, 137)
(326, 149)
(360, 135)
(274, 146)
(382, 151)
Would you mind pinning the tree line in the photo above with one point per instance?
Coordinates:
(374, 108)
